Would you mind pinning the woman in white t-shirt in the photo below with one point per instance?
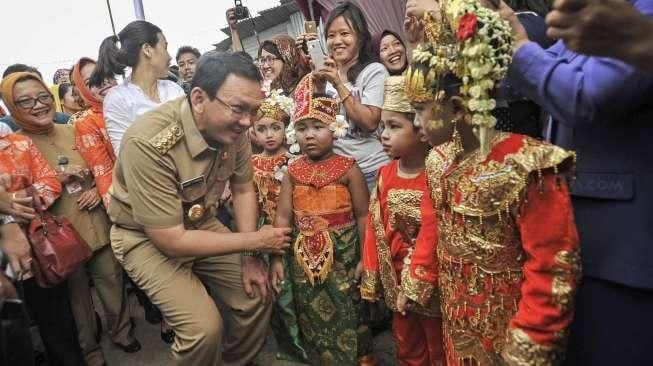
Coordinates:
(358, 81)
(143, 48)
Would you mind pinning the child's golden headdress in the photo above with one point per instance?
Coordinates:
(471, 42)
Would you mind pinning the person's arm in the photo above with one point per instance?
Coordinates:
(576, 89)
(20, 208)
(14, 245)
(283, 218)
(604, 28)
(551, 273)
(365, 117)
(245, 206)
(371, 281)
(366, 112)
(419, 276)
(98, 159)
(284, 214)
(236, 46)
(156, 206)
(45, 178)
(414, 32)
(242, 187)
(117, 118)
(360, 205)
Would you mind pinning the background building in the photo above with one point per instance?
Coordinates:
(282, 19)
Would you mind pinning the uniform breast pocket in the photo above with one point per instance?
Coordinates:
(218, 186)
(193, 201)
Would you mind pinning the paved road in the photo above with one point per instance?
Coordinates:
(157, 353)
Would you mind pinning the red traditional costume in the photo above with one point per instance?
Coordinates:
(268, 174)
(269, 170)
(401, 229)
(326, 248)
(508, 252)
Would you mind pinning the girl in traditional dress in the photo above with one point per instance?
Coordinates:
(324, 197)
(269, 168)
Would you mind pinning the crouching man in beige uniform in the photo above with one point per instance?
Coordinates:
(172, 168)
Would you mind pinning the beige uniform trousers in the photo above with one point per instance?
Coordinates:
(176, 287)
(107, 275)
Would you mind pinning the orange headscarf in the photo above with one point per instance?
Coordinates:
(19, 115)
(84, 90)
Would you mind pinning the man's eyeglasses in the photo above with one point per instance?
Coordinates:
(267, 60)
(237, 110)
(29, 103)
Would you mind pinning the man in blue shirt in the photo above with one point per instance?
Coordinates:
(604, 112)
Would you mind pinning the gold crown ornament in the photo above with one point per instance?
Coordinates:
(323, 109)
(276, 106)
(471, 42)
(394, 97)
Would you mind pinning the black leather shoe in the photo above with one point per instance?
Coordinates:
(152, 314)
(133, 347)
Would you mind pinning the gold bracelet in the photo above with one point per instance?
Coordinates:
(345, 98)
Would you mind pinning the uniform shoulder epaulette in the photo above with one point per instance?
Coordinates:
(167, 138)
(78, 115)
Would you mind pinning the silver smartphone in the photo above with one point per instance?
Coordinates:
(316, 53)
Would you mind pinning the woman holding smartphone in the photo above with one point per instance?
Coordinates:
(353, 75)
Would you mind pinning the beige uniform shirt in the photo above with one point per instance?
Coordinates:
(93, 225)
(166, 173)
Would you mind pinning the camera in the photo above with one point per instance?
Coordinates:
(241, 11)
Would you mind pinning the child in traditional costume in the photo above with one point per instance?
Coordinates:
(269, 168)
(402, 230)
(324, 197)
(508, 249)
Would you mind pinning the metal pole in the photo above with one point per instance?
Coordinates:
(311, 12)
(138, 10)
(113, 26)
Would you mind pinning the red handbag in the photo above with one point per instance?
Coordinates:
(57, 247)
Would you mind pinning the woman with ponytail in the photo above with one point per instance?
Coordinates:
(142, 47)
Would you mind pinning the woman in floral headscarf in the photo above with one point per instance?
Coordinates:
(282, 64)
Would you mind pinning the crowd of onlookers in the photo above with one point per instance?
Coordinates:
(579, 78)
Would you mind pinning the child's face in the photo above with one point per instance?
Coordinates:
(399, 136)
(269, 134)
(314, 138)
(434, 121)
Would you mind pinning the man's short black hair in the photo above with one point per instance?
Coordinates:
(187, 49)
(213, 68)
(20, 68)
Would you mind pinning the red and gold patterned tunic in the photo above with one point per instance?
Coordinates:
(320, 205)
(401, 229)
(24, 163)
(508, 252)
(268, 171)
(327, 251)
